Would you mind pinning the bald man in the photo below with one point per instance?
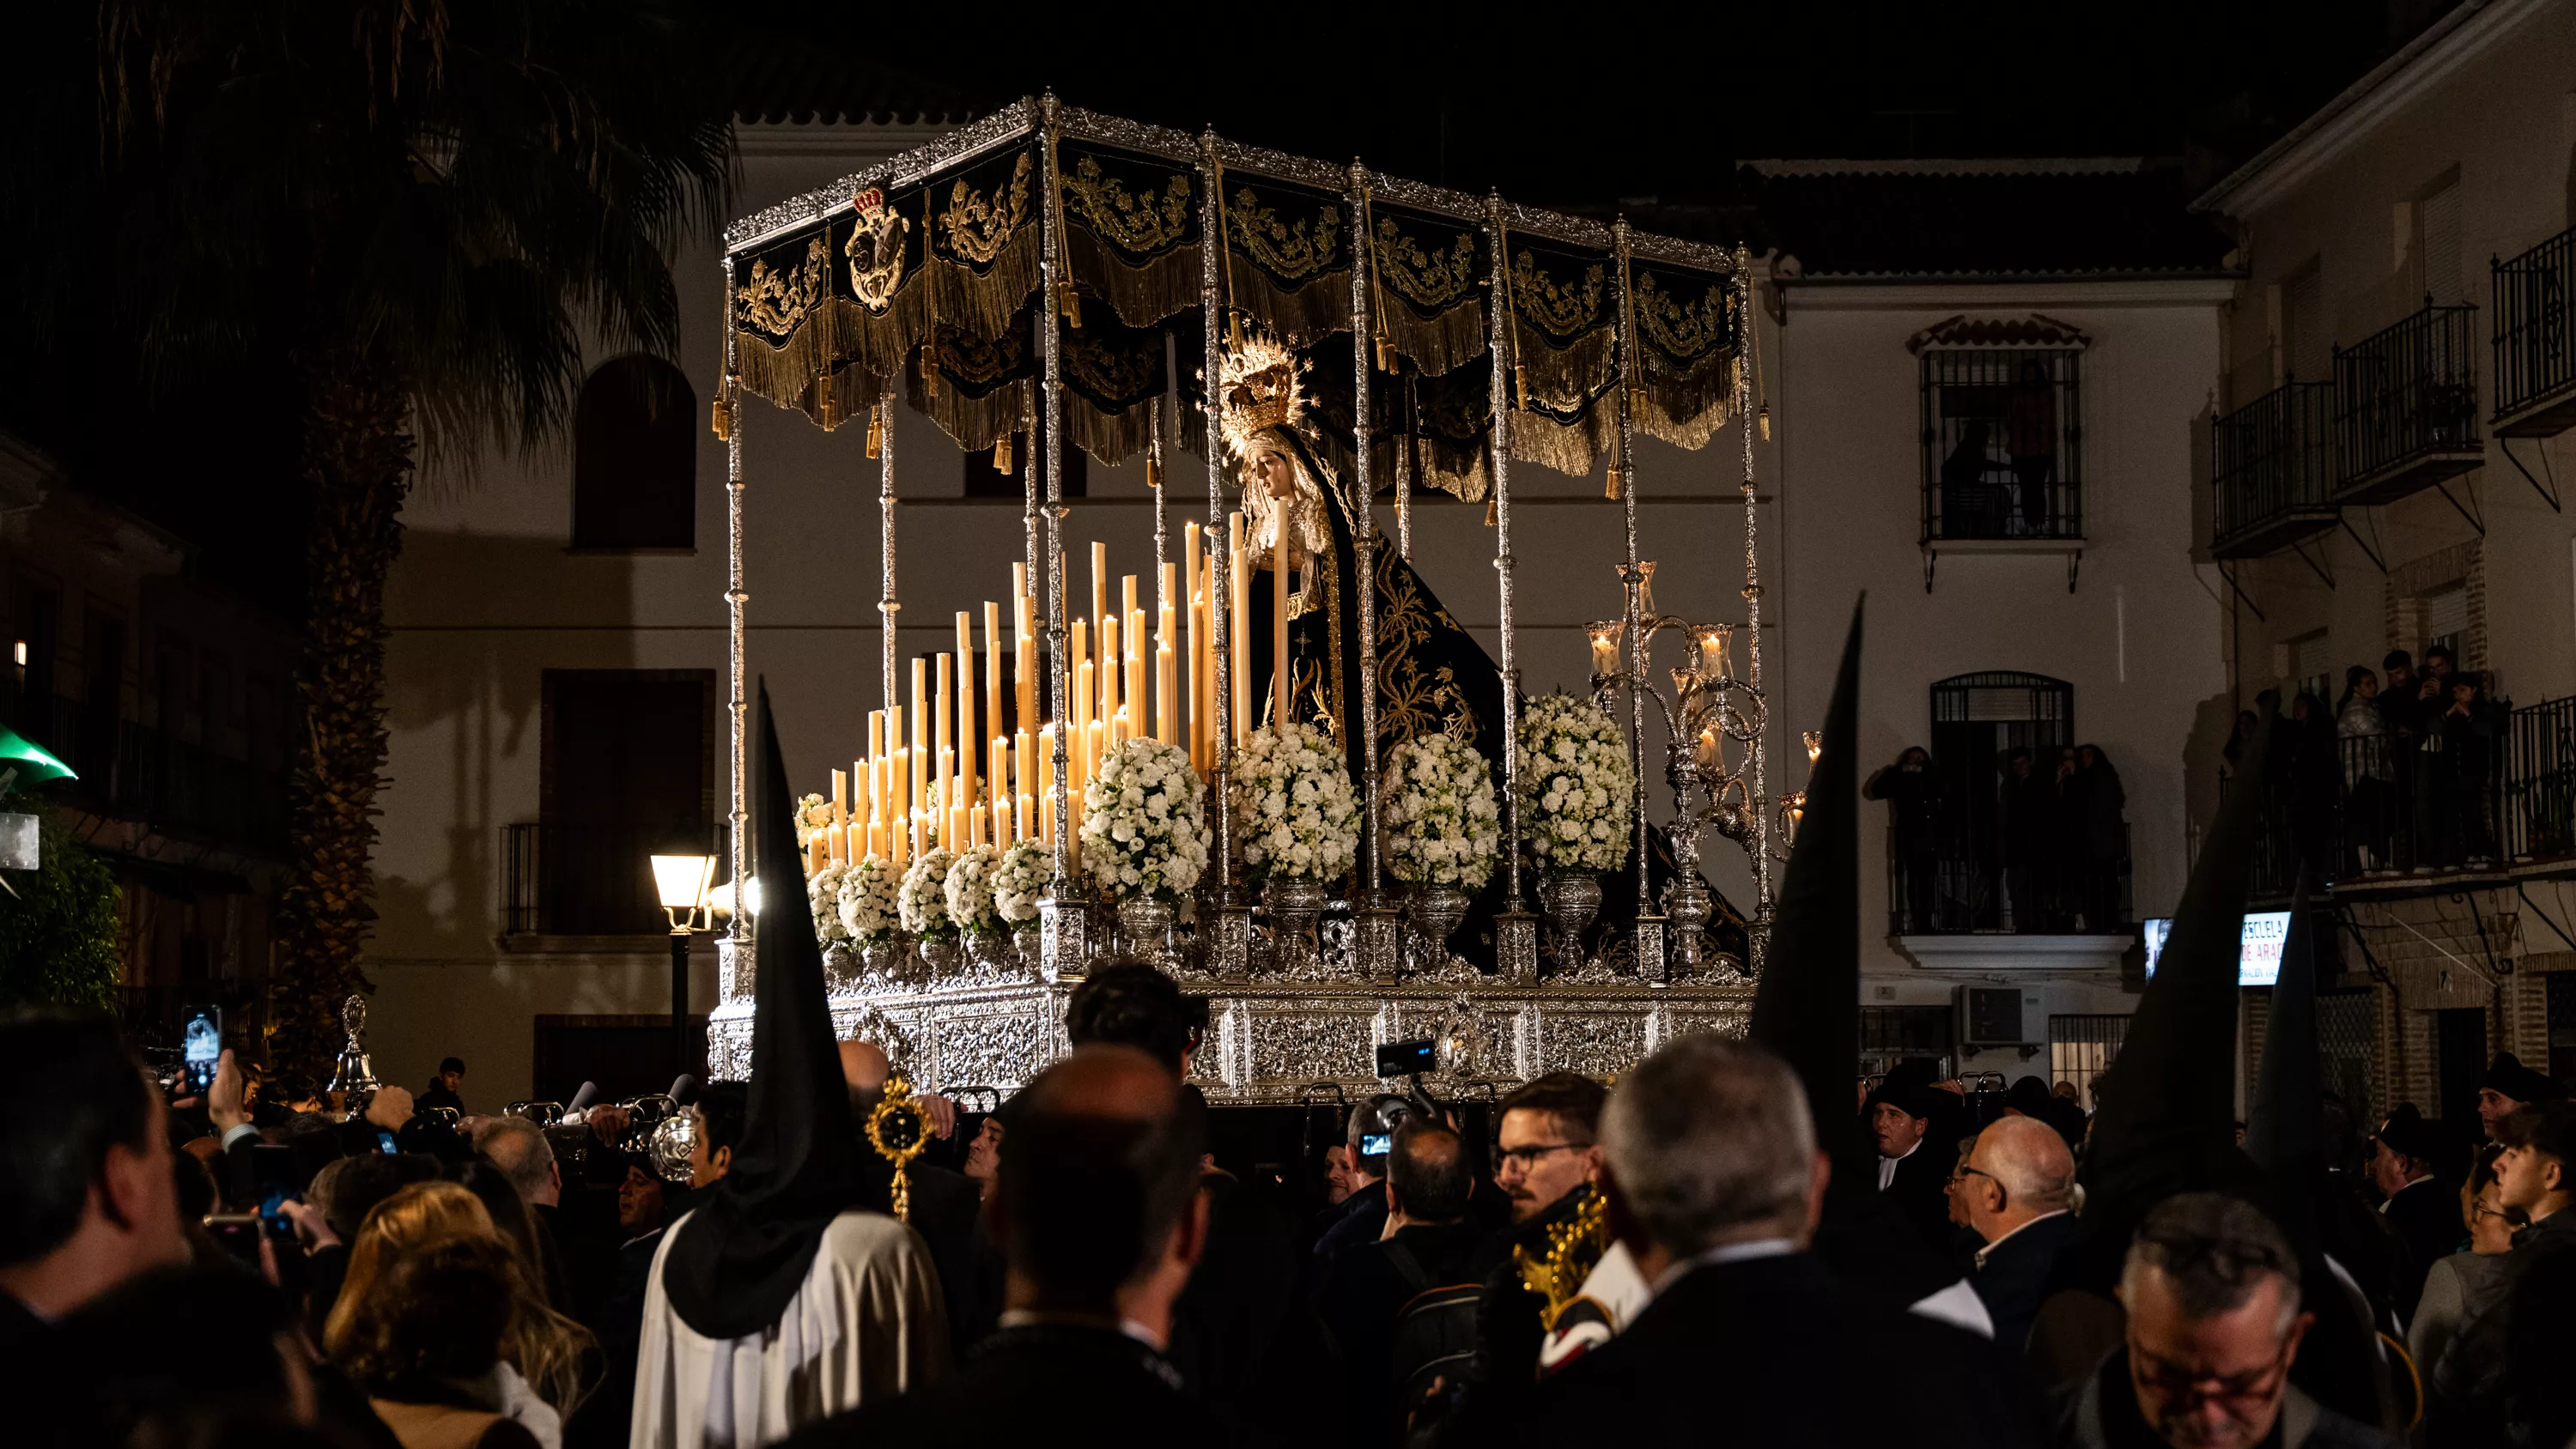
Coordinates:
(945, 1204)
(2017, 1189)
(1098, 1207)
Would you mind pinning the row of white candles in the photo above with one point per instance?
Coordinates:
(912, 790)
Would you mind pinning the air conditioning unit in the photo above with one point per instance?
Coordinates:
(2000, 1016)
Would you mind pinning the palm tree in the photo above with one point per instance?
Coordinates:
(426, 209)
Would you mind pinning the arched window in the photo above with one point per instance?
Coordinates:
(635, 458)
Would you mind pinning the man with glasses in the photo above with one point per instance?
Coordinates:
(2211, 1291)
(2015, 1189)
(1547, 1160)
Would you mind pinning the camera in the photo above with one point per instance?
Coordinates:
(1406, 1058)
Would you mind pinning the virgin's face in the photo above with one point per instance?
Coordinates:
(1272, 470)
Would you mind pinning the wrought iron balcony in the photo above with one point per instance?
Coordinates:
(2422, 813)
(1984, 878)
(2273, 471)
(588, 879)
(2534, 297)
(2406, 407)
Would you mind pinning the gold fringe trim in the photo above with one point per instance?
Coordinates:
(841, 336)
(974, 424)
(1689, 410)
(1567, 376)
(1142, 296)
(1319, 308)
(1453, 337)
(1571, 450)
(1112, 438)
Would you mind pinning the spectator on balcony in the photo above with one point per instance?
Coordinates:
(1972, 502)
(2239, 740)
(2463, 766)
(1913, 797)
(2361, 734)
(2030, 437)
(2030, 827)
(2399, 695)
(2097, 838)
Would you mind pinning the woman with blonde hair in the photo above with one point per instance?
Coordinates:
(538, 1379)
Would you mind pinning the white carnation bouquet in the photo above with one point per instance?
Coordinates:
(923, 902)
(969, 890)
(813, 814)
(1294, 803)
(867, 905)
(1019, 879)
(1437, 806)
(1144, 832)
(823, 895)
(1576, 785)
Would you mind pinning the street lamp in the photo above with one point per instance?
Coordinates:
(681, 883)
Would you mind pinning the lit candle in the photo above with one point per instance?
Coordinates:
(912, 770)
(1279, 618)
(1714, 664)
(1024, 780)
(1605, 650)
(1136, 701)
(943, 754)
(1105, 702)
(998, 786)
(1238, 642)
(1100, 602)
(1024, 652)
(1082, 715)
(1167, 718)
(975, 825)
(992, 682)
(967, 734)
(840, 796)
(1190, 643)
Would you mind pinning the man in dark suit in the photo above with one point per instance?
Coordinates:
(1101, 1218)
(1716, 1184)
(1913, 1173)
(2015, 1189)
(2423, 1209)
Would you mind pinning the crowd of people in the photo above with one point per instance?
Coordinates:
(2400, 774)
(1719, 1244)
(1644, 1256)
(2044, 851)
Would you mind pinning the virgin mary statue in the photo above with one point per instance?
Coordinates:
(1431, 675)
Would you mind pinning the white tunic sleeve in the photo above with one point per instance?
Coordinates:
(867, 1324)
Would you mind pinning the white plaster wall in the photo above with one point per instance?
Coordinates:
(2136, 638)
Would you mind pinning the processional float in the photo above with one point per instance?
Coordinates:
(1050, 267)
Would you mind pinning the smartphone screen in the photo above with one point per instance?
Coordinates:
(1377, 1144)
(201, 1044)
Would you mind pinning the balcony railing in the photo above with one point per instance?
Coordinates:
(2534, 297)
(2406, 407)
(2273, 470)
(1958, 880)
(589, 880)
(2483, 796)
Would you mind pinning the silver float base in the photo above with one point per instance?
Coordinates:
(1266, 1043)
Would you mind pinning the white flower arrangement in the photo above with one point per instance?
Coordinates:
(1443, 826)
(1576, 785)
(823, 895)
(1020, 879)
(969, 890)
(1144, 832)
(813, 814)
(1293, 799)
(869, 910)
(923, 902)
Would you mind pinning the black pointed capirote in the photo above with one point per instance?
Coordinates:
(740, 1258)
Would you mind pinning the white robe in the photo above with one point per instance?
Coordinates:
(867, 1324)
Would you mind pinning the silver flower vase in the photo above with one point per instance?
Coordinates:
(1569, 899)
(1294, 902)
(1026, 940)
(881, 961)
(1435, 911)
(989, 953)
(840, 967)
(939, 954)
(1145, 927)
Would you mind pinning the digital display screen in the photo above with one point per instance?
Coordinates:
(2258, 952)
(1377, 1144)
(201, 1042)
